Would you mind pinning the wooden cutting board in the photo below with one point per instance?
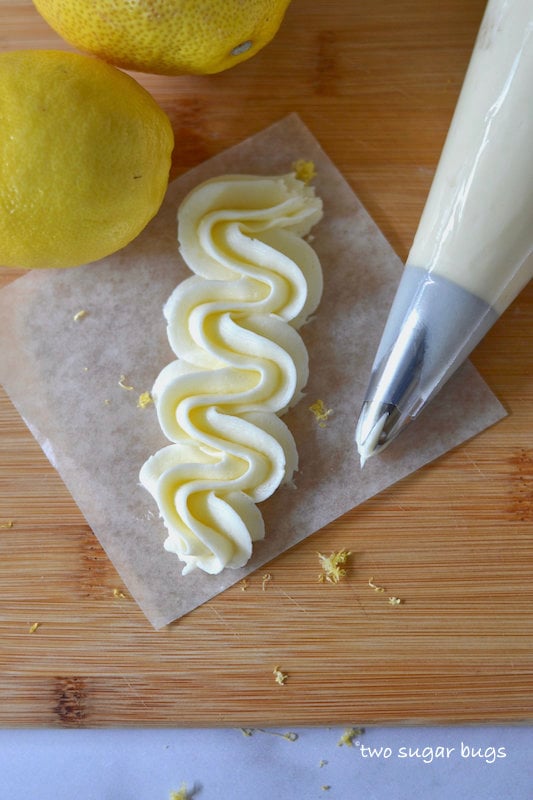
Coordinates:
(376, 82)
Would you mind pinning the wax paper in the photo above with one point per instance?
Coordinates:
(68, 374)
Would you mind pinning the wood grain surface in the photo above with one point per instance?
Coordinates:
(376, 82)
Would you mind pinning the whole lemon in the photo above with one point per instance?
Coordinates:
(167, 37)
(84, 158)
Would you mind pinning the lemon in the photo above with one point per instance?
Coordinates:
(167, 37)
(84, 158)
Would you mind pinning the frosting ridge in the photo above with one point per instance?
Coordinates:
(240, 364)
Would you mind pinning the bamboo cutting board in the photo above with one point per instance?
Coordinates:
(376, 82)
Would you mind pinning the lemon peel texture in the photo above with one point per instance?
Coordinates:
(167, 37)
(84, 159)
(240, 363)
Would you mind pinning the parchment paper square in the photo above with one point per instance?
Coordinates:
(63, 376)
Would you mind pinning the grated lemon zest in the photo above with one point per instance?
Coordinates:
(393, 601)
(266, 578)
(348, 737)
(118, 593)
(123, 385)
(34, 627)
(8, 524)
(79, 314)
(290, 735)
(332, 569)
(279, 676)
(145, 399)
(244, 585)
(374, 586)
(181, 794)
(305, 170)
(320, 412)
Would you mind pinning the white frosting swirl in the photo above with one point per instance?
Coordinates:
(240, 363)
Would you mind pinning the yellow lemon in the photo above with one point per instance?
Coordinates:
(167, 37)
(84, 158)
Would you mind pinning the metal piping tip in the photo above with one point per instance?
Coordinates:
(432, 327)
(376, 427)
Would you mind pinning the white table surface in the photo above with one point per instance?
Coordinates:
(383, 763)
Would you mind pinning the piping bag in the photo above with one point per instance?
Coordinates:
(473, 250)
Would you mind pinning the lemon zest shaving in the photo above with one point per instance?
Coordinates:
(279, 676)
(393, 601)
(290, 735)
(320, 412)
(79, 314)
(305, 170)
(8, 524)
(181, 794)
(123, 385)
(332, 569)
(34, 627)
(119, 594)
(244, 585)
(145, 399)
(349, 736)
(266, 578)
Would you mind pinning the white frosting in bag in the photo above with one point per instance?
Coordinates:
(240, 363)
